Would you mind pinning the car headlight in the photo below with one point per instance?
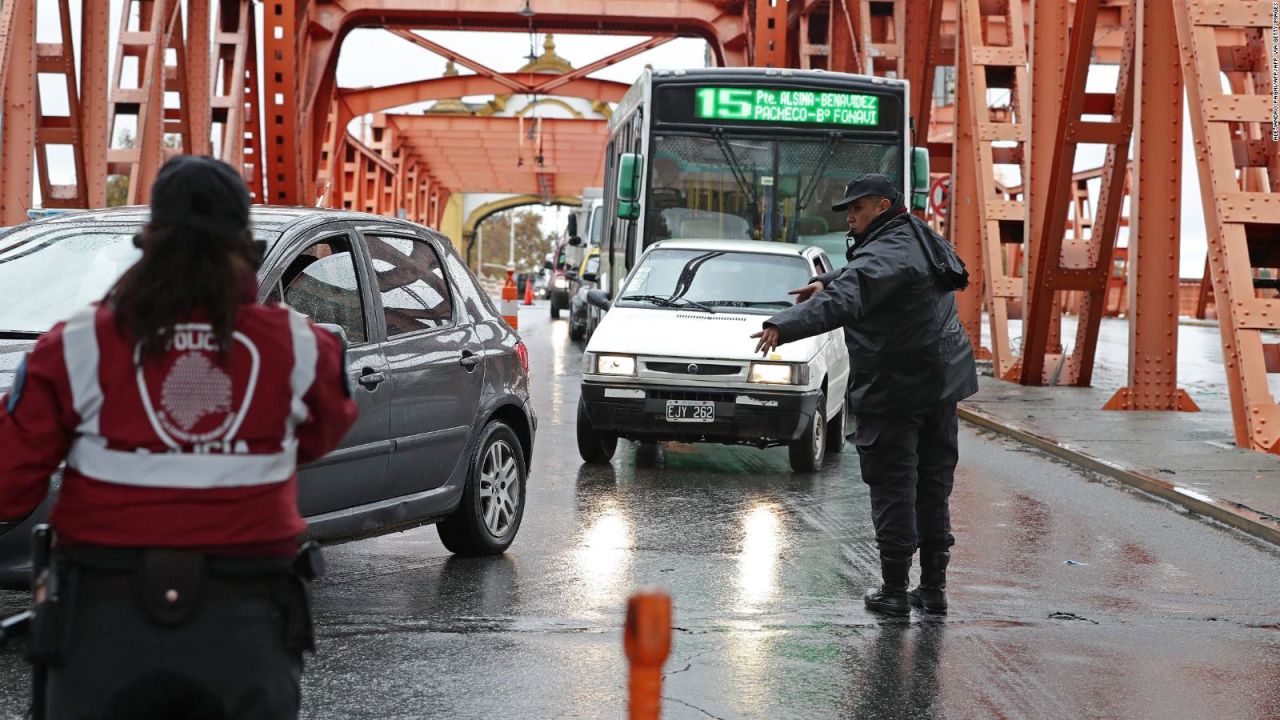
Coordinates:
(615, 365)
(778, 373)
(561, 283)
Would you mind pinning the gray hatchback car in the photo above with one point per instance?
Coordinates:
(445, 433)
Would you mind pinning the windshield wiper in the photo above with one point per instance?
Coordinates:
(19, 334)
(802, 200)
(673, 302)
(739, 174)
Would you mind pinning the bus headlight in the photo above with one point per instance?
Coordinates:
(615, 365)
(778, 373)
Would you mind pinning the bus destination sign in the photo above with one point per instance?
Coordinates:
(766, 105)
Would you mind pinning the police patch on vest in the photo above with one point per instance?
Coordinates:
(194, 402)
(19, 382)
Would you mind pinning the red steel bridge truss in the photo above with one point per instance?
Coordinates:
(187, 77)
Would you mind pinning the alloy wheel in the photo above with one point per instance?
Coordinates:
(499, 488)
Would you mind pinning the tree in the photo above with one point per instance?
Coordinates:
(532, 245)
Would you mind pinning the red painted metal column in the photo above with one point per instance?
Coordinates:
(1048, 70)
(199, 58)
(964, 228)
(95, 27)
(281, 69)
(18, 73)
(1154, 229)
(770, 34)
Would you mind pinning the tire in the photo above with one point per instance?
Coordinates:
(496, 467)
(836, 432)
(555, 309)
(594, 446)
(577, 332)
(807, 452)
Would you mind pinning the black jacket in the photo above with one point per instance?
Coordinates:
(907, 349)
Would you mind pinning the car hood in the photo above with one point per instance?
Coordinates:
(11, 354)
(692, 334)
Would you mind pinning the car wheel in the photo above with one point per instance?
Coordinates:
(836, 431)
(555, 309)
(576, 332)
(807, 452)
(594, 446)
(492, 506)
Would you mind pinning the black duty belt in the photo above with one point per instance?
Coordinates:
(111, 559)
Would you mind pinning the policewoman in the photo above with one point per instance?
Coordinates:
(911, 363)
(182, 408)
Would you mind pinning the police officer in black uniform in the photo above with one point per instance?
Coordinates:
(910, 362)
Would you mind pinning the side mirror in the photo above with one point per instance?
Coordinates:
(589, 277)
(629, 186)
(573, 225)
(338, 330)
(919, 178)
(575, 241)
(598, 298)
(548, 266)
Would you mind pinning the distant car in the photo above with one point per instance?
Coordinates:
(446, 429)
(672, 359)
(583, 316)
(558, 285)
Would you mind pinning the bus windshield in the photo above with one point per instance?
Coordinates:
(739, 187)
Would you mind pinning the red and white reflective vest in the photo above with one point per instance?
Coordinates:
(186, 450)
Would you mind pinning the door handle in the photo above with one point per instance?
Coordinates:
(370, 378)
(469, 360)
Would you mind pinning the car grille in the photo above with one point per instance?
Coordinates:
(683, 368)
(665, 394)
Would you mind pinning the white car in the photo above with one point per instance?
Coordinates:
(673, 359)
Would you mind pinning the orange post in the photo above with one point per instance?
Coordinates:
(528, 290)
(647, 639)
(510, 311)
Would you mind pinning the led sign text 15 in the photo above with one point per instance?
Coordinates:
(787, 106)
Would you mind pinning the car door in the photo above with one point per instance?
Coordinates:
(435, 360)
(324, 275)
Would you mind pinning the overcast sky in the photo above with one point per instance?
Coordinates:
(374, 57)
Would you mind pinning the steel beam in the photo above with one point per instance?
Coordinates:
(18, 133)
(1155, 237)
(364, 101)
(1242, 224)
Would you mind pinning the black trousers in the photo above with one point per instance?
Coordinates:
(229, 659)
(909, 462)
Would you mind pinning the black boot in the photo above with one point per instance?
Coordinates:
(891, 597)
(931, 596)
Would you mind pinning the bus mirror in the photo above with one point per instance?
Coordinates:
(572, 230)
(628, 179)
(919, 178)
(628, 210)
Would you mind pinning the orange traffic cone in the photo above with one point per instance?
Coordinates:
(528, 290)
(510, 311)
(647, 639)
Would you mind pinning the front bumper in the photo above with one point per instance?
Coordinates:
(756, 417)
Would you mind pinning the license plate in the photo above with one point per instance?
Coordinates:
(698, 411)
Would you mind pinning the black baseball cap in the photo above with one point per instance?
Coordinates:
(202, 193)
(864, 185)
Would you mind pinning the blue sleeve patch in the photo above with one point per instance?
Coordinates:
(19, 382)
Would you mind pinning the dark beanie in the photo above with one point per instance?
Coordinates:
(199, 192)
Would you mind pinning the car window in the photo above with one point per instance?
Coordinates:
(476, 303)
(415, 294)
(321, 282)
(593, 266)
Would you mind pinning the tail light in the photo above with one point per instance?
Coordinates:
(522, 352)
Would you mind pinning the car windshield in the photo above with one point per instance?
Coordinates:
(50, 272)
(708, 280)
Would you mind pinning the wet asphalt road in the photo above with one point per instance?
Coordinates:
(1071, 596)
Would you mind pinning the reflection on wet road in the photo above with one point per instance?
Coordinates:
(1071, 597)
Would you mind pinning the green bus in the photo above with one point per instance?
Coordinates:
(749, 153)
